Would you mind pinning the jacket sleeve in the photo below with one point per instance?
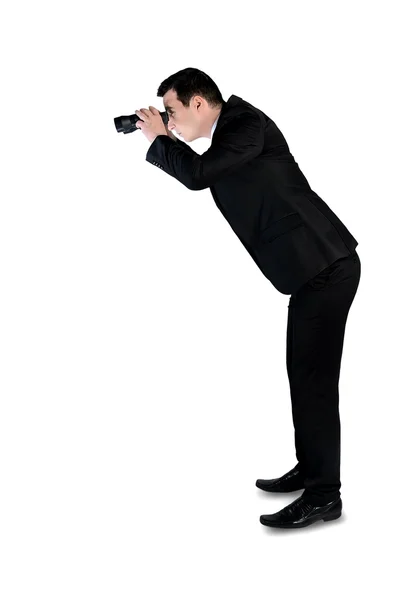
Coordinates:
(238, 142)
(183, 145)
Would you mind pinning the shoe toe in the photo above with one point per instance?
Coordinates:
(264, 482)
(270, 519)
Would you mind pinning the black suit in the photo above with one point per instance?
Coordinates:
(302, 247)
(288, 230)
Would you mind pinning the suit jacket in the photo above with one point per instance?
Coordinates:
(288, 230)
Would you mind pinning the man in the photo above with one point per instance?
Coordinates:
(298, 243)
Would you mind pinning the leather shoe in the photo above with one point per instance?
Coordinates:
(292, 481)
(300, 513)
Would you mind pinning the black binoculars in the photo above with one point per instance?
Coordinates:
(128, 124)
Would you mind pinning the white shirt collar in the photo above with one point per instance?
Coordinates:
(214, 125)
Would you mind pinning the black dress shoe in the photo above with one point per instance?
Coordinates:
(300, 513)
(292, 481)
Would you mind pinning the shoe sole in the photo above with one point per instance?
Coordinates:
(330, 517)
(281, 491)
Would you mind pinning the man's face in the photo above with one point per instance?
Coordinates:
(189, 123)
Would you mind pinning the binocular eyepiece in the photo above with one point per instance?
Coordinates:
(128, 124)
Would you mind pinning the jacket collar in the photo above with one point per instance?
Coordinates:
(228, 110)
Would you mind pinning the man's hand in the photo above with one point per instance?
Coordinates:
(151, 124)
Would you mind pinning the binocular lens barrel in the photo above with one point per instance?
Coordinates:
(127, 124)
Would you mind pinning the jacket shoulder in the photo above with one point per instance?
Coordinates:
(237, 118)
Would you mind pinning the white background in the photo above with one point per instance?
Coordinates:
(143, 378)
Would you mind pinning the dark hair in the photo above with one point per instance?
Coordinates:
(191, 82)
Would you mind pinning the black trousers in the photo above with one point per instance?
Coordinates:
(317, 315)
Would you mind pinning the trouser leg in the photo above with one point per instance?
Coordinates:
(318, 317)
(289, 350)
